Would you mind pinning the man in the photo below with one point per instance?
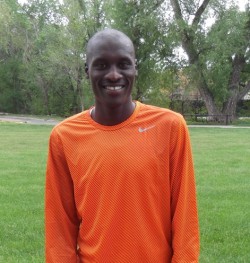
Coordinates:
(120, 181)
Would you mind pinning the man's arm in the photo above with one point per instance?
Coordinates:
(61, 223)
(185, 232)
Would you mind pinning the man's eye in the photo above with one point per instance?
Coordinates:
(125, 65)
(100, 65)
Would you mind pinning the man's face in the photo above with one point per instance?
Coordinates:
(111, 69)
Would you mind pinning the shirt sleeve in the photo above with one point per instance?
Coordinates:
(61, 222)
(185, 230)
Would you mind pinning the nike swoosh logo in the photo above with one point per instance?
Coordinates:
(145, 129)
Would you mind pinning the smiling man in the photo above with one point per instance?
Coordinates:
(120, 180)
(111, 69)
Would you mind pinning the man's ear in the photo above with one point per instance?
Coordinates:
(86, 70)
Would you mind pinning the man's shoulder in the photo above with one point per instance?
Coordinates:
(71, 123)
(164, 118)
(164, 113)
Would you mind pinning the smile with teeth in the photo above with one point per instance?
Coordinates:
(113, 88)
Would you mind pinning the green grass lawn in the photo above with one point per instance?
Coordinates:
(223, 184)
(23, 151)
(222, 162)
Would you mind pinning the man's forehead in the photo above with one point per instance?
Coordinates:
(106, 38)
(110, 33)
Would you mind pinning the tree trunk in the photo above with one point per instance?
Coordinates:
(229, 107)
(45, 91)
(207, 95)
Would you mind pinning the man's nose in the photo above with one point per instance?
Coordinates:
(113, 74)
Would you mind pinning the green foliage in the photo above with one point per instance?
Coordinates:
(160, 94)
(224, 41)
(243, 108)
(13, 95)
(42, 50)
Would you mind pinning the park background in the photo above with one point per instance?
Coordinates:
(193, 57)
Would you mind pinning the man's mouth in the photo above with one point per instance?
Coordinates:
(113, 87)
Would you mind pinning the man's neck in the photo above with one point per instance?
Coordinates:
(113, 115)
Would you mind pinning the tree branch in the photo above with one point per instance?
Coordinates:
(237, 66)
(199, 12)
(177, 9)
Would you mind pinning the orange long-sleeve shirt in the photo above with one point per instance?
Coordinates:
(123, 193)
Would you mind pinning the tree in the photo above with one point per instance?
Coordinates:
(42, 51)
(40, 74)
(12, 45)
(56, 59)
(217, 57)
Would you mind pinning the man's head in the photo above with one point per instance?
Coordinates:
(111, 67)
(113, 34)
